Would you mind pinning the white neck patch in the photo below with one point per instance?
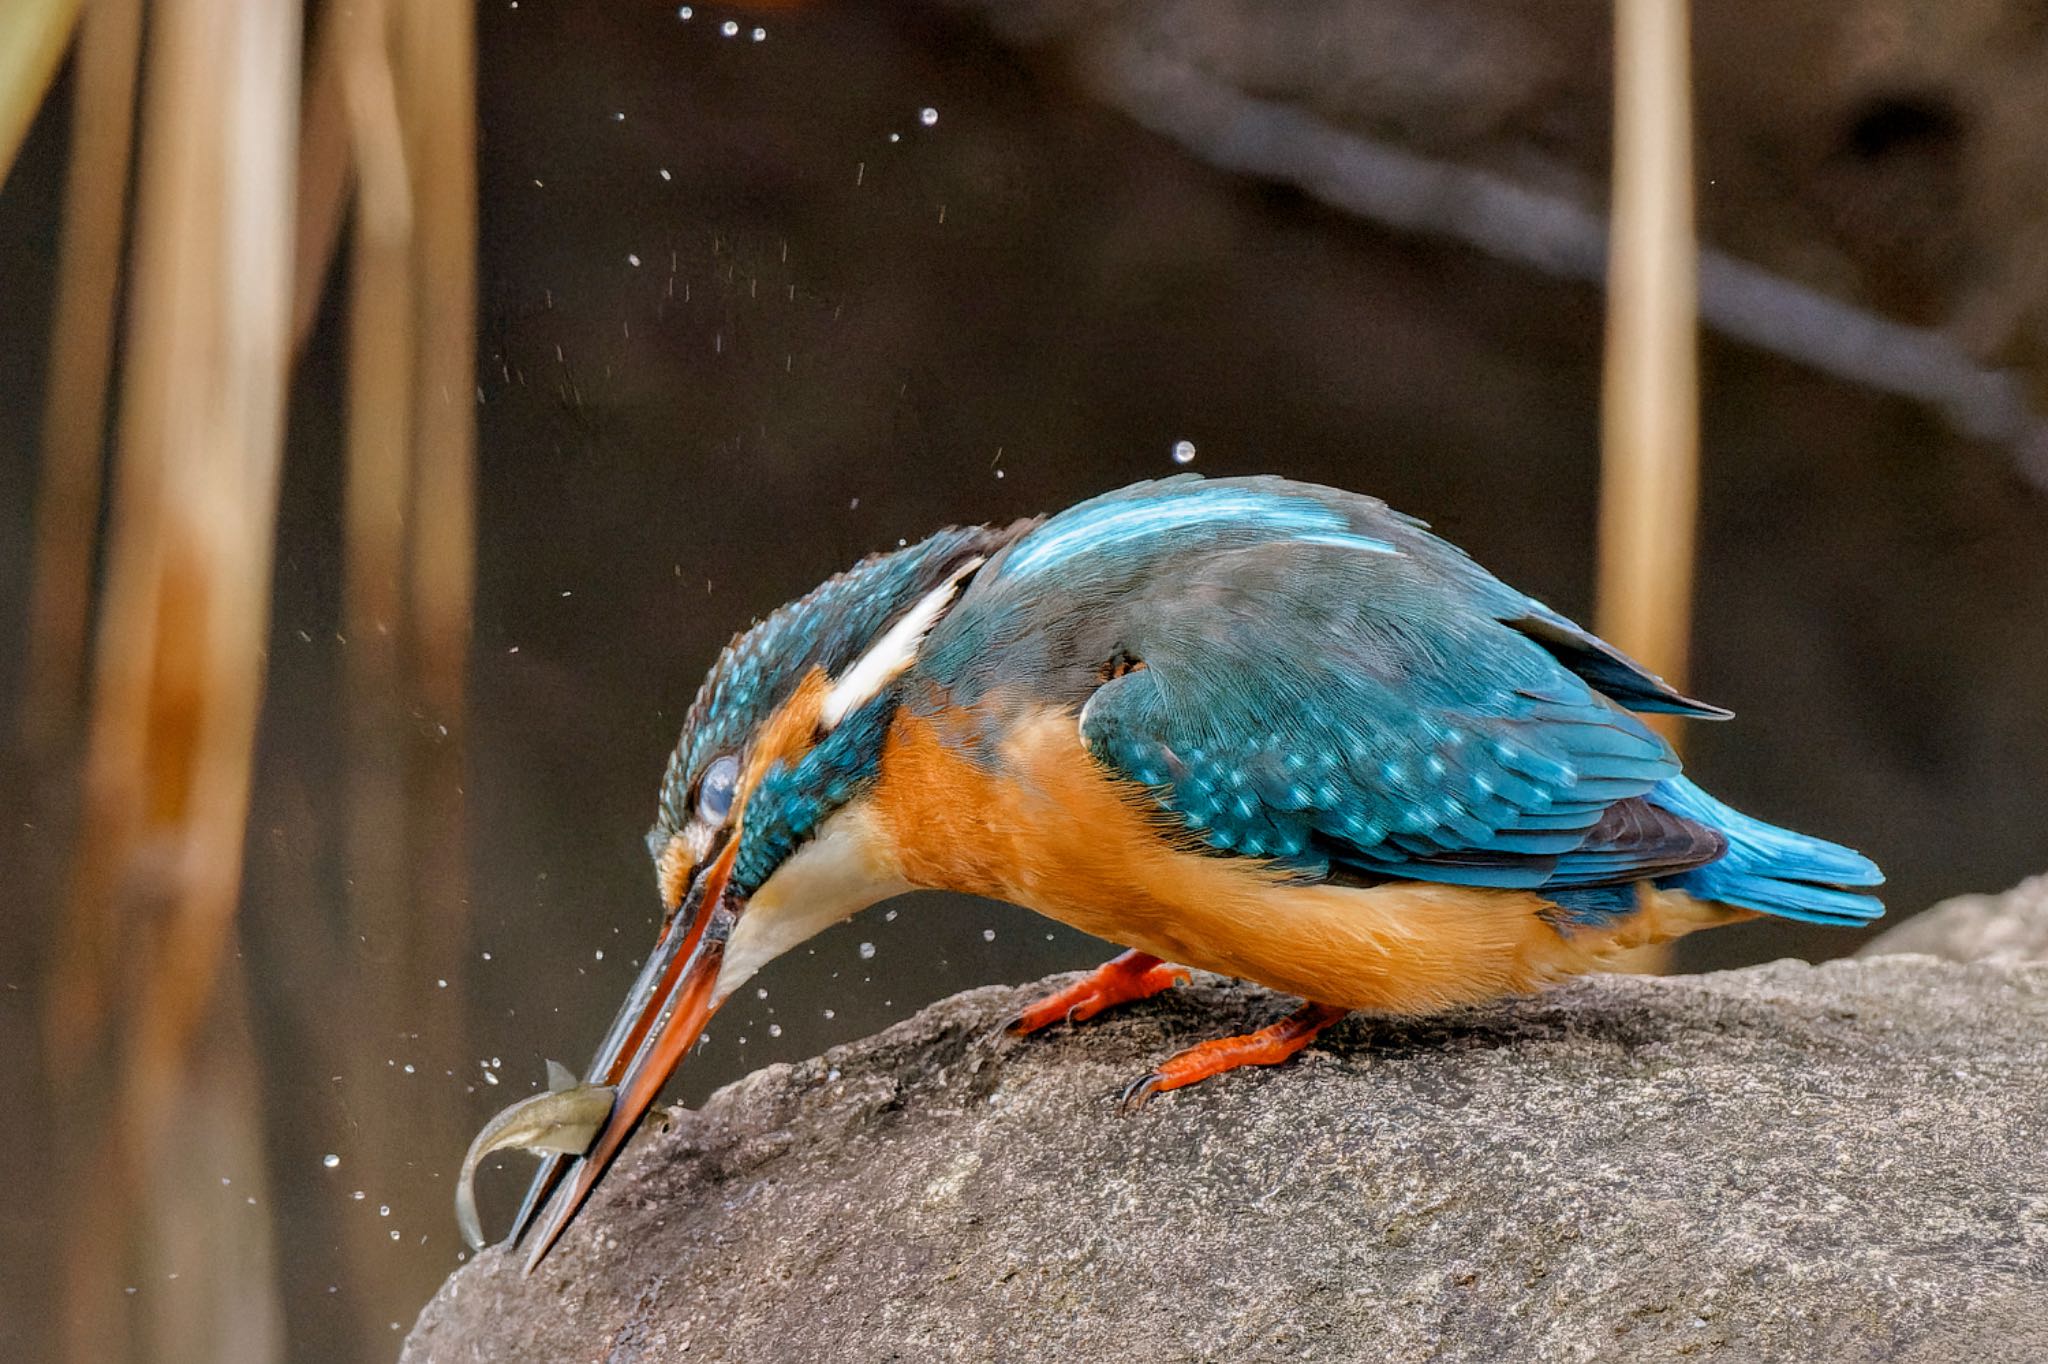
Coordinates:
(846, 866)
(896, 650)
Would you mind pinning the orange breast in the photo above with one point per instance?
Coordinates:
(1044, 826)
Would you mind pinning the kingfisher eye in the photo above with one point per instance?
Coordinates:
(715, 788)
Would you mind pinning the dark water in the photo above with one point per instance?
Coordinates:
(831, 341)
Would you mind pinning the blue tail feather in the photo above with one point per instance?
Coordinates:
(1773, 870)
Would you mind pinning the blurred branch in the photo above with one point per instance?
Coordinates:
(81, 354)
(33, 35)
(1650, 408)
(1399, 189)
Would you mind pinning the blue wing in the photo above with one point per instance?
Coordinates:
(1314, 725)
(1311, 677)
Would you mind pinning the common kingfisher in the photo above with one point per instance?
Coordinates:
(1248, 725)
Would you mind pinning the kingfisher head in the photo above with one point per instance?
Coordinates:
(761, 838)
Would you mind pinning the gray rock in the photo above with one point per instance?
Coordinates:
(2011, 927)
(1834, 1163)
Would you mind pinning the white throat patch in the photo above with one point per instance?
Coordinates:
(896, 650)
(845, 867)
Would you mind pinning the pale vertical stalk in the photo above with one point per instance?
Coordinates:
(437, 71)
(380, 358)
(324, 162)
(1649, 485)
(33, 35)
(179, 663)
(81, 354)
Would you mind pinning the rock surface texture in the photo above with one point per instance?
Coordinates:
(1842, 1163)
(2012, 927)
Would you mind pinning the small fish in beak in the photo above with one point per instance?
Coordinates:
(660, 1021)
(563, 1120)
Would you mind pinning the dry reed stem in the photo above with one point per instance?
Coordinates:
(324, 166)
(33, 36)
(437, 81)
(181, 645)
(1649, 486)
(81, 356)
(380, 357)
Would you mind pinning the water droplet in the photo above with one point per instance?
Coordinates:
(618, 116)
(633, 260)
(1183, 452)
(383, 1210)
(775, 1030)
(759, 34)
(988, 935)
(686, 14)
(489, 1078)
(442, 983)
(357, 1195)
(895, 137)
(927, 116)
(665, 175)
(830, 1014)
(730, 28)
(394, 1236)
(889, 916)
(867, 951)
(408, 1067)
(600, 954)
(832, 1074)
(330, 1160)
(760, 992)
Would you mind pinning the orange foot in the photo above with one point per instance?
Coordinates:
(1134, 975)
(1268, 1046)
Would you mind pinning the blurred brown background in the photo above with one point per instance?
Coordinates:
(744, 315)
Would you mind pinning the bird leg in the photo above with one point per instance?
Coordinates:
(1268, 1046)
(1134, 975)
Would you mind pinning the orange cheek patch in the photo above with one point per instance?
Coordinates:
(788, 734)
(673, 869)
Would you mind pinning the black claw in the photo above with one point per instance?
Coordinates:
(1138, 1093)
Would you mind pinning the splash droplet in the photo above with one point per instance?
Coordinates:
(686, 14)
(867, 951)
(759, 35)
(730, 28)
(927, 116)
(988, 935)
(1183, 452)
(330, 1160)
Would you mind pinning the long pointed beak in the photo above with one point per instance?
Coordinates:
(660, 1021)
